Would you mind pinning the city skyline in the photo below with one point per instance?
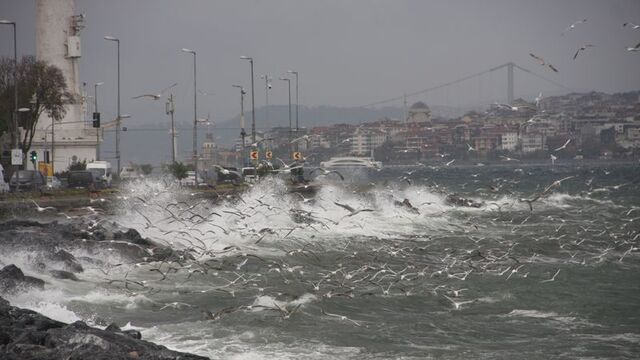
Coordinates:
(347, 54)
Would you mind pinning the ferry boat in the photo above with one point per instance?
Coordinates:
(342, 162)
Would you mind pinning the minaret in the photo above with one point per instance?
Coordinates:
(58, 43)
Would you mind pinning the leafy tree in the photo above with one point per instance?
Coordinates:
(146, 168)
(41, 88)
(178, 170)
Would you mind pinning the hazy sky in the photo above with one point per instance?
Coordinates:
(347, 52)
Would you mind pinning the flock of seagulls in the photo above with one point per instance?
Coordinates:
(441, 263)
(582, 48)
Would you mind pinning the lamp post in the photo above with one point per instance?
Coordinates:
(16, 135)
(289, 83)
(195, 114)
(242, 132)
(296, 74)
(253, 104)
(95, 109)
(267, 87)
(118, 118)
(170, 110)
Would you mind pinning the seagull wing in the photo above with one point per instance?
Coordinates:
(541, 60)
(576, 54)
(345, 206)
(552, 68)
(152, 96)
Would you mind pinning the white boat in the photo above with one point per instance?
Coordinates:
(351, 162)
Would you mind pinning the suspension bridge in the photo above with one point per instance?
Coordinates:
(456, 87)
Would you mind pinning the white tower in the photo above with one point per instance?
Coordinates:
(58, 43)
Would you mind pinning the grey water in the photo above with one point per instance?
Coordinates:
(301, 276)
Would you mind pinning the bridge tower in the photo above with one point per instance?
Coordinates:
(510, 67)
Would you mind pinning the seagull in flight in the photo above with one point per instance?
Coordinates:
(470, 148)
(538, 99)
(351, 209)
(450, 162)
(631, 25)
(542, 62)
(553, 159)
(635, 48)
(41, 209)
(563, 146)
(553, 278)
(582, 48)
(155, 96)
(573, 26)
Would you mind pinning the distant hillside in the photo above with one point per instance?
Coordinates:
(318, 116)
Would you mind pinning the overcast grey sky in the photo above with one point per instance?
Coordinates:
(347, 52)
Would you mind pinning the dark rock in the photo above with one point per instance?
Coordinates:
(113, 327)
(61, 274)
(133, 333)
(68, 260)
(25, 334)
(12, 280)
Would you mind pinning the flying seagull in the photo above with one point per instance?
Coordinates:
(582, 48)
(155, 96)
(631, 25)
(573, 26)
(542, 62)
(563, 146)
(635, 48)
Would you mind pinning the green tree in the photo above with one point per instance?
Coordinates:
(178, 170)
(146, 168)
(41, 88)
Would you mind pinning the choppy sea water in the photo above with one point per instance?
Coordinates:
(284, 276)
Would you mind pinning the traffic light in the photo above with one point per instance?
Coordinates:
(34, 156)
(96, 119)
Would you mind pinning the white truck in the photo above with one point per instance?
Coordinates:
(103, 170)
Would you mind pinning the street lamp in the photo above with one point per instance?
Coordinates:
(289, 83)
(95, 110)
(267, 87)
(195, 114)
(16, 135)
(118, 118)
(296, 74)
(242, 132)
(253, 104)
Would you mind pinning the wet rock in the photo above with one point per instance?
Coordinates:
(457, 200)
(68, 260)
(24, 335)
(133, 236)
(65, 275)
(113, 327)
(12, 280)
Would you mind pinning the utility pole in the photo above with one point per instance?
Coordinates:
(170, 109)
(242, 132)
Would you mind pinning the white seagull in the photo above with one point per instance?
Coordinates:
(155, 96)
(41, 209)
(631, 25)
(573, 26)
(635, 48)
(563, 146)
(542, 62)
(582, 48)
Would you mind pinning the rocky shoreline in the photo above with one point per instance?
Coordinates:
(25, 334)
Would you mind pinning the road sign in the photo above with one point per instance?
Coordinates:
(254, 155)
(268, 155)
(297, 155)
(16, 157)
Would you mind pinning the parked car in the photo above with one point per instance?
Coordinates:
(53, 183)
(190, 180)
(27, 180)
(130, 173)
(84, 179)
(227, 175)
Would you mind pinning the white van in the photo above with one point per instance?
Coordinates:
(103, 170)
